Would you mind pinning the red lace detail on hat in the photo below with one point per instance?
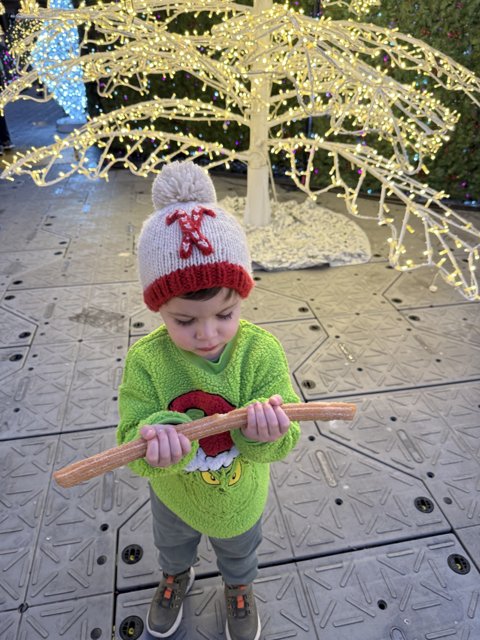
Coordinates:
(190, 227)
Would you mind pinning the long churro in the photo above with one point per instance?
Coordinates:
(118, 456)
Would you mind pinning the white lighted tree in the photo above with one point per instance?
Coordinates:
(68, 88)
(270, 66)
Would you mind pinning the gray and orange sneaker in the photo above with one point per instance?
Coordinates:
(243, 622)
(166, 609)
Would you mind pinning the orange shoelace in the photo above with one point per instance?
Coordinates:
(167, 594)
(241, 598)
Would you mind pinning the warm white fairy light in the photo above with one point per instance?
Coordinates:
(271, 65)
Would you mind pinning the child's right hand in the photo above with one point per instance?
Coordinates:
(165, 446)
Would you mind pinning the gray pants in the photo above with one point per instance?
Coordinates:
(177, 546)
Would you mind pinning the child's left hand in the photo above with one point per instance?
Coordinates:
(266, 421)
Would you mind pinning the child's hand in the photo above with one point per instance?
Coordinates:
(266, 421)
(165, 446)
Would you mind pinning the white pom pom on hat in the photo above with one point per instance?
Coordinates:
(189, 243)
(182, 182)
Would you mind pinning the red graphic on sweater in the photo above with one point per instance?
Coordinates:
(209, 403)
(190, 228)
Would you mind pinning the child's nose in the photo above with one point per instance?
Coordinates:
(206, 330)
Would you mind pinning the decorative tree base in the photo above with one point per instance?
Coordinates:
(303, 235)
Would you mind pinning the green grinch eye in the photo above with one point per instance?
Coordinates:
(209, 478)
(237, 472)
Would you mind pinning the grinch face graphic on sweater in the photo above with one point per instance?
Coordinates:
(225, 477)
(217, 456)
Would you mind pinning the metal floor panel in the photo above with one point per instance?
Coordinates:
(89, 267)
(87, 237)
(82, 619)
(367, 353)
(333, 291)
(93, 395)
(16, 331)
(108, 223)
(462, 323)
(422, 288)
(58, 544)
(75, 553)
(333, 499)
(420, 590)
(33, 399)
(68, 314)
(24, 233)
(9, 625)
(298, 337)
(60, 387)
(431, 433)
(25, 468)
(14, 263)
(470, 539)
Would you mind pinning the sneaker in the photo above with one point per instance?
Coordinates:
(8, 146)
(243, 622)
(165, 613)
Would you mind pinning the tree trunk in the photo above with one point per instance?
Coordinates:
(257, 210)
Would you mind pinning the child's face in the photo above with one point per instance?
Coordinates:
(203, 326)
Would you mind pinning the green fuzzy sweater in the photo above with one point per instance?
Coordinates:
(220, 488)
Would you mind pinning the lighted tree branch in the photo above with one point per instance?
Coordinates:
(423, 212)
(269, 66)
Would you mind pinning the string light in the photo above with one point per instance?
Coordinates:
(268, 66)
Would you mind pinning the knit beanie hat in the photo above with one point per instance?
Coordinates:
(189, 243)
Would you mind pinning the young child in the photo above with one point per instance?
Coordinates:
(194, 267)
